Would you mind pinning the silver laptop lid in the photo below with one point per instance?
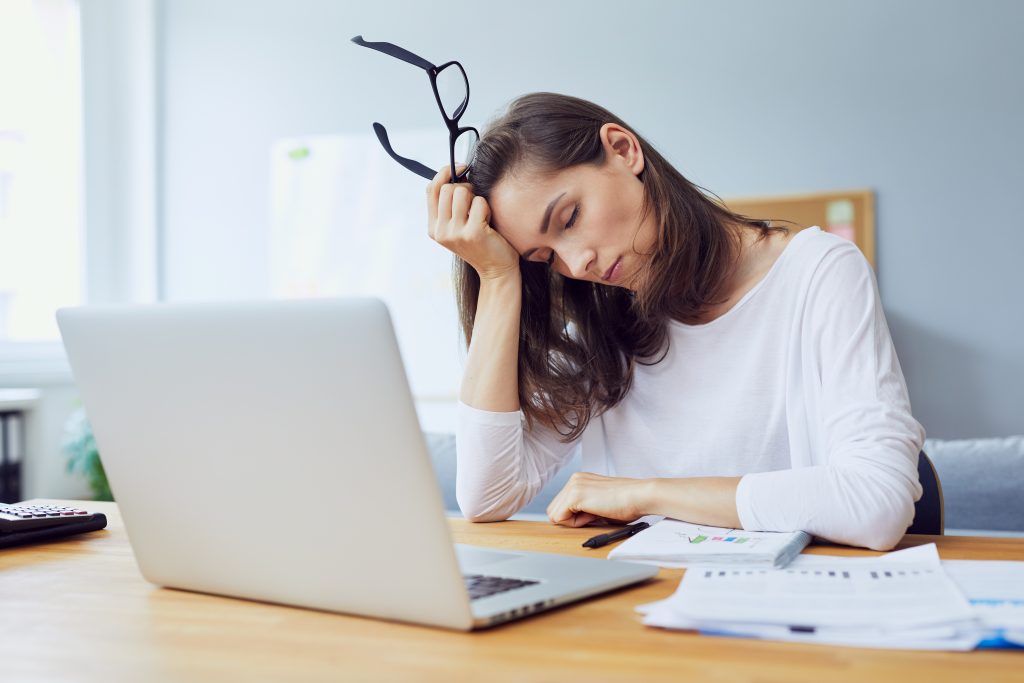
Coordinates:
(255, 449)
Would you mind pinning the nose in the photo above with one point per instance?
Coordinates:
(579, 262)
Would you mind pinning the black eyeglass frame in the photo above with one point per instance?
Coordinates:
(452, 122)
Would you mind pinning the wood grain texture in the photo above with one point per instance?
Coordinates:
(78, 610)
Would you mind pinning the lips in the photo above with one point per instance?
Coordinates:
(607, 277)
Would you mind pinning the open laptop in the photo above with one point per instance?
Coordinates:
(271, 451)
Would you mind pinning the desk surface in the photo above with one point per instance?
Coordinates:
(79, 610)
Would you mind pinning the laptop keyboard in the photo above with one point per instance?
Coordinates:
(480, 586)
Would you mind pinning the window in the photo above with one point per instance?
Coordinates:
(41, 246)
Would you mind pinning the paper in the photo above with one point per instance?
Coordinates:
(901, 600)
(995, 590)
(671, 543)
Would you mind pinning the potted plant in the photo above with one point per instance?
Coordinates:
(83, 456)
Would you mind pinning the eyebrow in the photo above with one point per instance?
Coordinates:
(545, 222)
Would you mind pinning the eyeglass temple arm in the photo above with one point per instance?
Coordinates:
(414, 166)
(396, 52)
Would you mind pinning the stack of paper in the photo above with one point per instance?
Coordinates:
(995, 590)
(901, 600)
(671, 543)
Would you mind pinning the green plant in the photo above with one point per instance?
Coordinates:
(83, 456)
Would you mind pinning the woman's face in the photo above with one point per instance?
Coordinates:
(585, 220)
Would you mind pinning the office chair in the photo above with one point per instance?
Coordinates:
(929, 512)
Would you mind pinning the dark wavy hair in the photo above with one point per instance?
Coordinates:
(579, 341)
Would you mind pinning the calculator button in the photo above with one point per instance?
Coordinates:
(81, 512)
(66, 514)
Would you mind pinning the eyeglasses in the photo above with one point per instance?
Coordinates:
(452, 106)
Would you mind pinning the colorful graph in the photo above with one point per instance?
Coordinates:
(730, 537)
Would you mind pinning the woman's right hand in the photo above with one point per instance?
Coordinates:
(459, 221)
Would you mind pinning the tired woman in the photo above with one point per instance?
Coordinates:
(710, 367)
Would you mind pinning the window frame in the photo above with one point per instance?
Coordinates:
(120, 162)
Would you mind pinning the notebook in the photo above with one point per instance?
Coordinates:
(671, 543)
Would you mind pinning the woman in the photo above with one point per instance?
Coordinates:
(711, 367)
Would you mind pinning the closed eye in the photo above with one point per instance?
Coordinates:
(551, 256)
(572, 219)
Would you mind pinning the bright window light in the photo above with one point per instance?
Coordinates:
(41, 246)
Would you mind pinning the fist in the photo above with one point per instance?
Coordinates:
(458, 220)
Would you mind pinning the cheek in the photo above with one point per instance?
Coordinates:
(618, 224)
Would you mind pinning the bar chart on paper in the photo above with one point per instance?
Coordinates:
(671, 543)
(705, 536)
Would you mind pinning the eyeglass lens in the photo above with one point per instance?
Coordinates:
(453, 89)
(465, 146)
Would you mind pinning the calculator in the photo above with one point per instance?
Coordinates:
(31, 522)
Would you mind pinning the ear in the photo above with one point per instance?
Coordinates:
(620, 144)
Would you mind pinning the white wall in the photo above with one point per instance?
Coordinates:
(920, 100)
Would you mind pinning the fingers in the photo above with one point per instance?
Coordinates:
(453, 203)
(588, 498)
(581, 519)
(444, 204)
(446, 200)
(479, 211)
(575, 519)
(461, 198)
(564, 508)
(459, 221)
(433, 196)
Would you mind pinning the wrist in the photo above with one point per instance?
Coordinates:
(503, 277)
(649, 497)
(505, 288)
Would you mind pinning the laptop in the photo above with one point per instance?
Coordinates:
(271, 451)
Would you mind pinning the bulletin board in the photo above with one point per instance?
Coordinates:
(850, 214)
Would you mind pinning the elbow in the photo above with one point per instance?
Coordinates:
(478, 519)
(477, 506)
(496, 492)
(478, 514)
(877, 505)
(882, 527)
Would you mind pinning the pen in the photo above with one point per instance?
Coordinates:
(624, 532)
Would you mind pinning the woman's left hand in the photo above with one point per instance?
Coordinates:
(588, 497)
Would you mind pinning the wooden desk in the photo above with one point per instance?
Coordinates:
(78, 610)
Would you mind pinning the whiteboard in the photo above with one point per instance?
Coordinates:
(347, 220)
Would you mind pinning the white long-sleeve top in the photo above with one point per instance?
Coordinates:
(796, 388)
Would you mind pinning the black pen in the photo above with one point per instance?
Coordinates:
(624, 532)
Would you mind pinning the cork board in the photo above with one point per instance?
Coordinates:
(850, 214)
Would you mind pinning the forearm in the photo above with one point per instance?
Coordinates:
(699, 500)
(491, 378)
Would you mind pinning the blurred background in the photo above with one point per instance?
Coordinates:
(190, 150)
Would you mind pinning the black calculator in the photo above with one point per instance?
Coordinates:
(31, 522)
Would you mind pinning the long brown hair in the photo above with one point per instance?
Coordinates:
(579, 341)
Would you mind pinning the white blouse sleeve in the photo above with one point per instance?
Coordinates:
(864, 492)
(500, 466)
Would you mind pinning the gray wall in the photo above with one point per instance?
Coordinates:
(920, 100)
